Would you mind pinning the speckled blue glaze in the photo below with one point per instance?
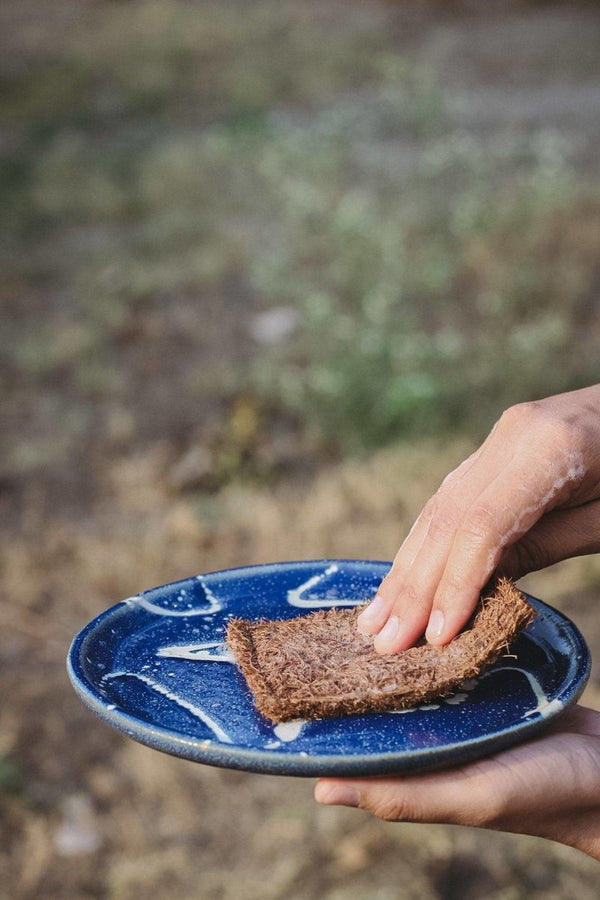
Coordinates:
(143, 666)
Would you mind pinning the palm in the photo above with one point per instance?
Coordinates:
(534, 781)
(547, 787)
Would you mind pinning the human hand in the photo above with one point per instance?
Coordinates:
(527, 498)
(548, 787)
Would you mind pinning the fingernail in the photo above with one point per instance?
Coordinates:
(369, 616)
(337, 795)
(385, 640)
(436, 625)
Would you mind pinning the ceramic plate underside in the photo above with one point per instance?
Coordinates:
(156, 667)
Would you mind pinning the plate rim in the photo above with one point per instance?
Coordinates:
(213, 753)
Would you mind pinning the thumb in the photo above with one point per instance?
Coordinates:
(558, 535)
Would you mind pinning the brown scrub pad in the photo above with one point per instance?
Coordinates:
(319, 665)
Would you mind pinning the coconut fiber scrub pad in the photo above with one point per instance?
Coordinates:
(319, 665)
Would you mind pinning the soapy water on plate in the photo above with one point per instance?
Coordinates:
(299, 597)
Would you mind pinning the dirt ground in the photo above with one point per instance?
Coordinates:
(86, 812)
(141, 461)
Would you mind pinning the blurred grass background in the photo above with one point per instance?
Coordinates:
(269, 271)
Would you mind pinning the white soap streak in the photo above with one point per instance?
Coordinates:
(544, 706)
(180, 701)
(211, 652)
(424, 708)
(411, 709)
(550, 709)
(574, 473)
(213, 607)
(215, 603)
(289, 731)
(455, 699)
(295, 597)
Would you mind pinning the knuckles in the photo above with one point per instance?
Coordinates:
(544, 421)
(481, 526)
(442, 527)
(389, 807)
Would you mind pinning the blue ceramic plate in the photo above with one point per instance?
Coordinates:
(156, 667)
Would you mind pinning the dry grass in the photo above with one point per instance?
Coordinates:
(146, 158)
(157, 826)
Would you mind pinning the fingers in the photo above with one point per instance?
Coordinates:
(403, 602)
(513, 503)
(535, 788)
(505, 511)
(400, 612)
(577, 719)
(486, 505)
(452, 797)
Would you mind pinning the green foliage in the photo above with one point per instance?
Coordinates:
(431, 298)
(162, 161)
